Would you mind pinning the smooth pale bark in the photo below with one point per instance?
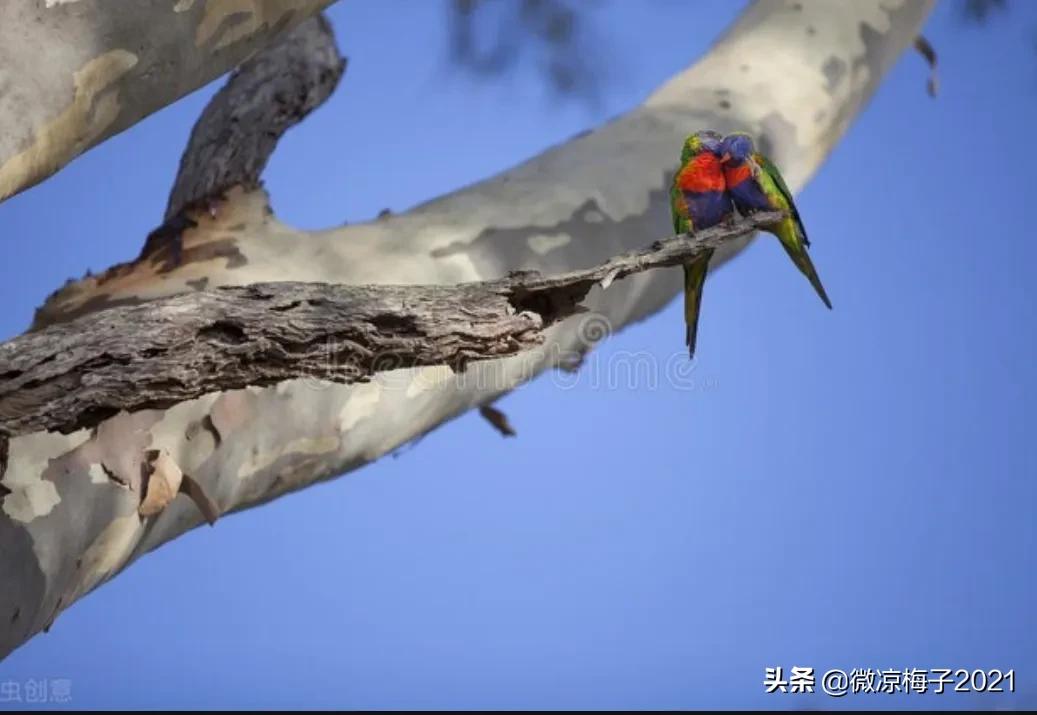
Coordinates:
(110, 64)
(793, 73)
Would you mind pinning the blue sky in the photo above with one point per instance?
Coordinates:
(845, 489)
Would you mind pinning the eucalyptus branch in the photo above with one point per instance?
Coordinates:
(157, 354)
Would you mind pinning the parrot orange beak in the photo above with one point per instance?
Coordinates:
(725, 158)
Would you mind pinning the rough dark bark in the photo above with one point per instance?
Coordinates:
(160, 353)
(239, 129)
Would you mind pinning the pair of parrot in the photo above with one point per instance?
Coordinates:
(718, 175)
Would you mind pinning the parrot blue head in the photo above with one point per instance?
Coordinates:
(711, 141)
(736, 148)
(699, 142)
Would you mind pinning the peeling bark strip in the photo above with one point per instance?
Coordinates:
(156, 355)
(498, 420)
(190, 487)
(162, 480)
(266, 96)
(929, 54)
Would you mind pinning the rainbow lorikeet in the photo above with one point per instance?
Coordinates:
(698, 200)
(755, 184)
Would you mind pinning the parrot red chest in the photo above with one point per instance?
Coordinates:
(702, 174)
(735, 175)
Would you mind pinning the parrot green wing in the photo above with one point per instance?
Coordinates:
(778, 183)
(790, 232)
(679, 207)
(681, 222)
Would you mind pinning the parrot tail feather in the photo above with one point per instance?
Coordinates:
(694, 278)
(794, 243)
